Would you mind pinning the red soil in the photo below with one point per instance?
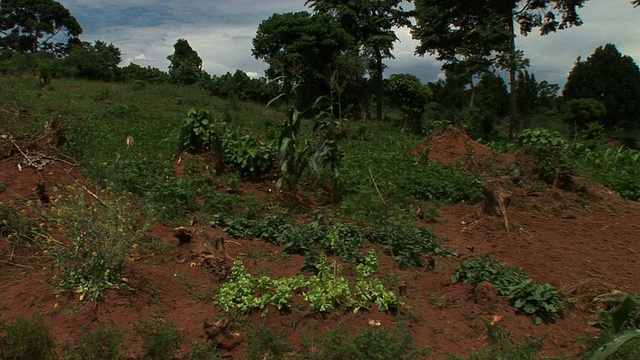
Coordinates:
(585, 250)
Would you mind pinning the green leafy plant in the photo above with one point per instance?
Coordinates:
(619, 327)
(201, 132)
(26, 339)
(408, 244)
(541, 302)
(101, 236)
(553, 161)
(248, 155)
(326, 290)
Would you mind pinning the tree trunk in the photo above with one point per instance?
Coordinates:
(378, 81)
(472, 86)
(513, 97)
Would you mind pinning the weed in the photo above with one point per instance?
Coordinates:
(503, 349)
(26, 339)
(160, 340)
(207, 352)
(19, 232)
(101, 237)
(102, 344)
(265, 344)
(376, 342)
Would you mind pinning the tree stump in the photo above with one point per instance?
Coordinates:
(496, 200)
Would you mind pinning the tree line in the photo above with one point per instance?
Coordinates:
(338, 50)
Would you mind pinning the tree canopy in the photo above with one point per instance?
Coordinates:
(300, 47)
(28, 26)
(371, 22)
(611, 78)
(186, 65)
(464, 30)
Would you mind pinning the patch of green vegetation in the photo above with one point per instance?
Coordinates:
(540, 301)
(376, 342)
(326, 290)
(619, 336)
(102, 344)
(102, 235)
(26, 339)
(160, 339)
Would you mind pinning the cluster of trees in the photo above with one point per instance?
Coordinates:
(338, 50)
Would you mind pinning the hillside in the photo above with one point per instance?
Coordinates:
(92, 173)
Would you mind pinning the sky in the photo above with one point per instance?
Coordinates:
(221, 33)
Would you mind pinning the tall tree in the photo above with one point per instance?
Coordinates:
(186, 65)
(28, 26)
(300, 48)
(611, 78)
(487, 29)
(372, 23)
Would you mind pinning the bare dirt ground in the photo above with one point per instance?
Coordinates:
(584, 243)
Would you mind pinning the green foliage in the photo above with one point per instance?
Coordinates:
(94, 62)
(504, 350)
(411, 96)
(19, 232)
(408, 244)
(26, 339)
(372, 343)
(264, 343)
(581, 112)
(160, 339)
(202, 131)
(298, 156)
(207, 352)
(541, 302)
(299, 48)
(612, 79)
(29, 26)
(186, 65)
(326, 290)
(102, 344)
(248, 155)
(619, 330)
(554, 164)
(101, 236)
(618, 168)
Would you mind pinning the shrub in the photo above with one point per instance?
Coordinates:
(101, 236)
(160, 340)
(26, 339)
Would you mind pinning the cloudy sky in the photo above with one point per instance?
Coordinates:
(221, 33)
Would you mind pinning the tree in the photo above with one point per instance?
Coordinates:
(411, 96)
(300, 48)
(186, 65)
(580, 112)
(486, 29)
(611, 78)
(95, 62)
(29, 26)
(372, 24)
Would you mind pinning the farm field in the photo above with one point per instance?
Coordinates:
(438, 247)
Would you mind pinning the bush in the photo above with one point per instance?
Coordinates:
(26, 339)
